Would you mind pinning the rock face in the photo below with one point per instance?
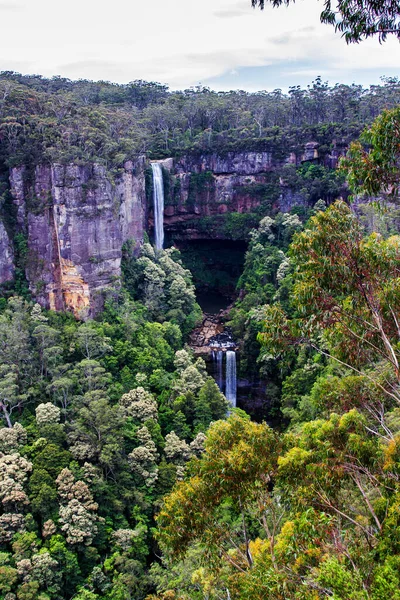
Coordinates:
(213, 185)
(232, 163)
(212, 334)
(6, 256)
(200, 337)
(76, 219)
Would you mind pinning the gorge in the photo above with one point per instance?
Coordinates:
(199, 342)
(75, 219)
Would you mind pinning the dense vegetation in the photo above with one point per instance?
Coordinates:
(57, 119)
(99, 421)
(108, 423)
(312, 512)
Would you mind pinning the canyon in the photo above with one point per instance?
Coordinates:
(76, 218)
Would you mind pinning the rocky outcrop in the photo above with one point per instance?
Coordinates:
(231, 163)
(200, 337)
(212, 334)
(289, 198)
(6, 256)
(76, 219)
(213, 185)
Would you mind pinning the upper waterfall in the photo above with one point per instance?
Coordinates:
(158, 196)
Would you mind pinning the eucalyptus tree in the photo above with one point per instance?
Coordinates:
(346, 296)
(355, 19)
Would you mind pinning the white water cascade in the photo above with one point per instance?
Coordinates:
(230, 390)
(158, 196)
(220, 355)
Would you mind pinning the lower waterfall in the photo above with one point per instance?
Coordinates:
(230, 391)
(220, 356)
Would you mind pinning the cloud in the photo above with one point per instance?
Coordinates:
(307, 73)
(234, 9)
(90, 63)
(126, 41)
(19, 66)
(10, 6)
(229, 14)
(235, 56)
(178, 71)
(292, 36)
(97, 69)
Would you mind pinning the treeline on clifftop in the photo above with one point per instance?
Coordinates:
(59, 120)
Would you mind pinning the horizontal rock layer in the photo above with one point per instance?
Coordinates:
(238, 163)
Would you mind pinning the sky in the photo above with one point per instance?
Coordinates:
(223, 44)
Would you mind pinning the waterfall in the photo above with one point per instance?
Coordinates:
(230, 392)
(217, 356)
(158, 196)
(220, 355)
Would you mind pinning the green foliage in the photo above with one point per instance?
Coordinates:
(238, 225)
(102, 419)
(355, 20)
(163, 285)
(231, 465)
(266, 268)
(21, 257)
(327, 524)
(82, 476)
(58, 120)
(314, 182)
(200, 186)
(332, 471)
(374, 171)
(344, 289)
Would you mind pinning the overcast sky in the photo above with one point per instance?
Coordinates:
(224, 44)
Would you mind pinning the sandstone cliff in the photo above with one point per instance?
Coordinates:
(6, 256)
(211, 185)
(76, 219)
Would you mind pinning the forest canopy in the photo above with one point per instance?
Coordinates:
(311, 512)
(46, 120)
(124, 472)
